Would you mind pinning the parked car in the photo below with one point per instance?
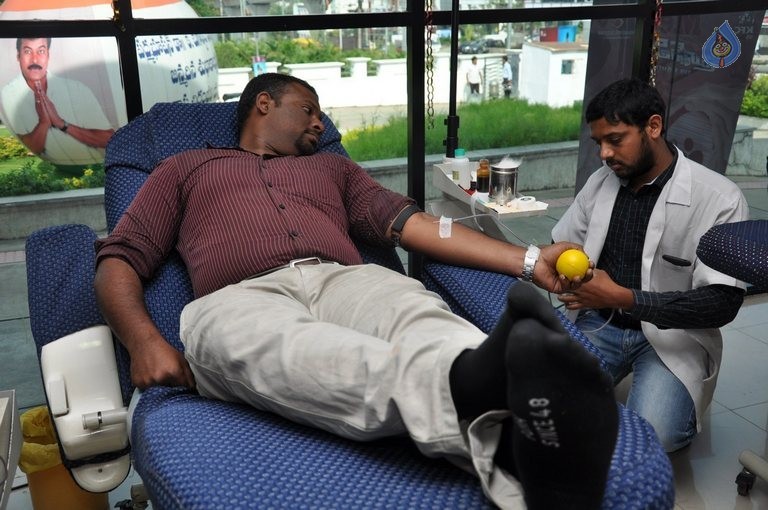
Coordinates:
(494, 43)
(477, 46)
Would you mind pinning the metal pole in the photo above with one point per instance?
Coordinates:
(452, 121)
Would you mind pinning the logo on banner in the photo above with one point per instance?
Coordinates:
(722, 48)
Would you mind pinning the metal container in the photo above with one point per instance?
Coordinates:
(503, 184)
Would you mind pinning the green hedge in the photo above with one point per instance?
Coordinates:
(32, 175)
(496, 123)
(11, 147)
(286, 50)
(755, 102)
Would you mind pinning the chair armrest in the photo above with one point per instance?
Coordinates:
(480, 297)
(60, 264)
(738, 249)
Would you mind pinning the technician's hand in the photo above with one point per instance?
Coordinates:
(160, 364)
(545, 274)
(599, 292)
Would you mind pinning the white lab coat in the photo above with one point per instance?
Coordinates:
(694, 200)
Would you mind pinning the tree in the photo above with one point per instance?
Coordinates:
(203, 8)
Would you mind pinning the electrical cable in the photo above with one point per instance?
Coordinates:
(607, 321)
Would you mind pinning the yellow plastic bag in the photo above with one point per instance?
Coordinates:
(40, 451)
(50, 485)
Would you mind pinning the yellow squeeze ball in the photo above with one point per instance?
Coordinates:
(572, 263)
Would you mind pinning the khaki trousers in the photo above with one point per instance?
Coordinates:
(360, 351)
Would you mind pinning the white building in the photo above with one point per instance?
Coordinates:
(553, 73)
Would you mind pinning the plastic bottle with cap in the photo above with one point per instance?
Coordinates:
(460, 167)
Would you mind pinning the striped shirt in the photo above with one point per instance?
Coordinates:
(231, 214)
(704, 307)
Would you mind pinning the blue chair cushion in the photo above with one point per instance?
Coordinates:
(739, 249)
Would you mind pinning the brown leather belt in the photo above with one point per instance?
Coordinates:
(309, 261)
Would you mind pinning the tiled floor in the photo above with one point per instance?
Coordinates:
(704, 472)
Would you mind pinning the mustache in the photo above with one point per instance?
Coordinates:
(34, 67)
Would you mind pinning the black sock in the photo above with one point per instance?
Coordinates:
(529, 356)
(478, 377)
(565, 418)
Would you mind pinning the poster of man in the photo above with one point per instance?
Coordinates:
(78, 81)
(58, 118)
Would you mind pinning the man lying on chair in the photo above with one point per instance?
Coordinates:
(288, 319)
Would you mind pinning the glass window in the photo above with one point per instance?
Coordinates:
(55, 9)
(206, 8)
(445, 5)
(520, 70)
(153, 9)
(519, 89)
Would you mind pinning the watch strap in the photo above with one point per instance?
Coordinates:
(529, 263)
(401, 218)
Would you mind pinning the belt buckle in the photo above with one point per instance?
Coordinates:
(298, 262)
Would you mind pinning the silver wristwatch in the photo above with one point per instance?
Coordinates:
(531, 257)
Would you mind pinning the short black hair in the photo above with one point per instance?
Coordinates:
(631, 101)
(18, 42)
(272, 83)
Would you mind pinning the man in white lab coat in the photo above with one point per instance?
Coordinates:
(653, 308)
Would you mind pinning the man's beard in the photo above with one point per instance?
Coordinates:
(642, 165)
(304, 146)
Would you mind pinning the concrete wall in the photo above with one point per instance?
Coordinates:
(388, 86)
(20, 216)
(541, 78)
(748, 153)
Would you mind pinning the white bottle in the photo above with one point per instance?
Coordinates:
(461, 168)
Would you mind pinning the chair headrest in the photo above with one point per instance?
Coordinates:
(169, 128)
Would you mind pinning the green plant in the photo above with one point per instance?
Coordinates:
(203, 8)
(11, 147)
(91, 178)
(755, 102)
(29, 179)
(287, 50)
(38, 176)
(498, 123)
(234, 53)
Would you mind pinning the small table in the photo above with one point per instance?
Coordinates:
(460, 204)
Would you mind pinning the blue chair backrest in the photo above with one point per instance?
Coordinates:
(133, 153)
